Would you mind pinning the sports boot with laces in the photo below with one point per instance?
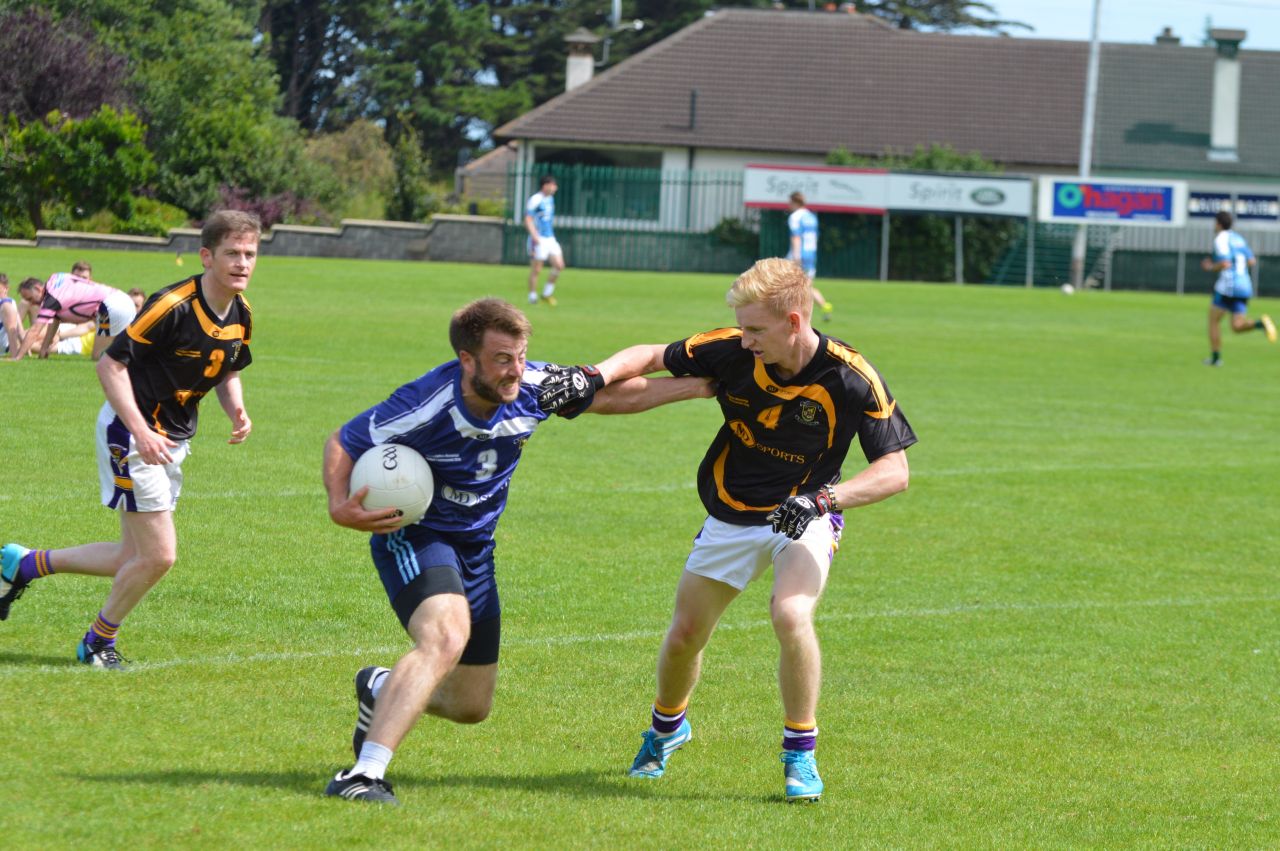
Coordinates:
(11, 582)
(801, 770)
(359, 787)
(364, 705)
(100, 654)
(651, 761)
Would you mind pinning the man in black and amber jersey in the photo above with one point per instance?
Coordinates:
(190, 338)
(793, 401)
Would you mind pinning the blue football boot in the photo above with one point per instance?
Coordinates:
(652, 759)
(11, 584)
(801, 770)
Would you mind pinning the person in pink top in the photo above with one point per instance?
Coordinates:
(68, 298)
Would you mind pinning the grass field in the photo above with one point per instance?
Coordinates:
(1063, 635)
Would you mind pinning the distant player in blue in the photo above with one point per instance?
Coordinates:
(803, 247)
(1232, 259)
(470, 418)
(539, 222)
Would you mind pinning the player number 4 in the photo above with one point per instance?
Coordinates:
(769, 417)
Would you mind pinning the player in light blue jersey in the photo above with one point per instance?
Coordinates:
(1232, 260)
(470, 418)
(802, 224)
(539, 222)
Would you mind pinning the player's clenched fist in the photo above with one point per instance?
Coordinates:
(795, 513)
(568, 390)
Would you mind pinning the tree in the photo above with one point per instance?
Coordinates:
(941, 15)
(315, 46)
(58, 65)
(91, 164)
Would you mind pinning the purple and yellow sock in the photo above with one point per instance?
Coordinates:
(665, 720)
(35, 565)
(102, 630)
(799, 737)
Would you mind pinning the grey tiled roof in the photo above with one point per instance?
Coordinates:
(806, 83)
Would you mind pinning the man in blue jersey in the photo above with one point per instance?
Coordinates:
(539, 219)
(1232, 259)
(803, 247)
(470, 418)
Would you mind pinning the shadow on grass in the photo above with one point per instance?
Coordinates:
(32, 660)
(578, 784)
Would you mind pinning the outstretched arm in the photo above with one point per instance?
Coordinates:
(633, 395)
(37, 330)
(568, 391)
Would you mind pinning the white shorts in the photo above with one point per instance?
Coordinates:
(546, 246)
(115, 313)
(735, 555)
(126, 481)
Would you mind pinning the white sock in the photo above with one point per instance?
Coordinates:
(379, 680)
(373, 761)
(533, 298)
(548, 289)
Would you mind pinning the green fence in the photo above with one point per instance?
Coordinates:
(689, 221)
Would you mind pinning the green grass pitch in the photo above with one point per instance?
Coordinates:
(1063, 635)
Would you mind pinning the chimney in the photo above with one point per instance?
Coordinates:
(581, 64)
(1167, 38)
(1224, 131)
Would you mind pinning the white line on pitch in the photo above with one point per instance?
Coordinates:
(655, 635)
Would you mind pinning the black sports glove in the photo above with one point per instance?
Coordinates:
(568, 390)
(795, 513)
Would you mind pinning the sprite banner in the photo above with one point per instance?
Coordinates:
(1113, 201)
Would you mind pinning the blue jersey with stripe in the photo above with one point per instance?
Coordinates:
(1233, 281)
(543, 209)
(472, 460)
(804, 224)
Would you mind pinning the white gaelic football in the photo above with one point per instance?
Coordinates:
(398, 477)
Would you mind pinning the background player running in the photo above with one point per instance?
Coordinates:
(192, 337)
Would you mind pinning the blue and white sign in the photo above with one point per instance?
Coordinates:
(1113, 202)
(1258, 208)
(1206, 205)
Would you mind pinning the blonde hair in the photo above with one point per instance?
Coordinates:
(780, 285)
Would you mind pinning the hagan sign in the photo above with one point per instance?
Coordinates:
(1113, 202)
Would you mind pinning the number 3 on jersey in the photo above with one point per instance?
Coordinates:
(215, 363)
(488, 464)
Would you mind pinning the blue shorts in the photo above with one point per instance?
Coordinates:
(1230, 304)
(416, 562)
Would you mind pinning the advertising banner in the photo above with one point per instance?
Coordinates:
(1206, 205)
(845, 190)
(825, 190)
(1113, 201)
(984, 196)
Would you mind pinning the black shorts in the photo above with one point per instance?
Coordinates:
(486, 635)
(416, 563)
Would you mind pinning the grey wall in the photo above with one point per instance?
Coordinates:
(462, 239)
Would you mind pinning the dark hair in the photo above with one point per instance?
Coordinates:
(546, 178)
(225, 223)
(4, 279)
(29, 284)
(466, 329)
(1224, 219)
(81, 266)
(797, 198)
(138, 291)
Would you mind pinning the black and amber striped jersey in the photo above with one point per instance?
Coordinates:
(780, 436)
(177, 350)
